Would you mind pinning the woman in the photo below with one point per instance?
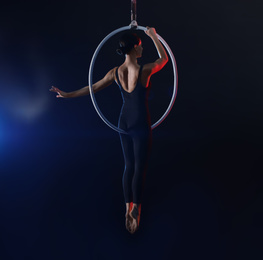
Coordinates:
(134, 83)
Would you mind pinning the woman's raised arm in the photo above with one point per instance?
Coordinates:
(159, 63)
(99, 85)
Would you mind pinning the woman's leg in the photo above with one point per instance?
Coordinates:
(127, 148)
(142, 142)
(142, 147)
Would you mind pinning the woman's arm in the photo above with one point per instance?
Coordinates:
(101, 84)
(159, 63)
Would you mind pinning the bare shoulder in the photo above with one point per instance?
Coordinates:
(111, 74)
(112, 71)
(152, 68)
(147, 68)
(146, 74)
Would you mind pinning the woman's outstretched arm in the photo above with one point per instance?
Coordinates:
(101, 84)
(159, 63)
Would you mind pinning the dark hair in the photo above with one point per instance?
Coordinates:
(127, 42)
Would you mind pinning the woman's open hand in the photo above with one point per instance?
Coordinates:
(60, 93)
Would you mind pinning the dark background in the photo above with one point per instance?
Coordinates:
(61, 166)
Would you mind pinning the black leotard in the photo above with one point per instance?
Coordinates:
(136, 144)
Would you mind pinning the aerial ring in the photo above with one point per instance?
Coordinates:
(91, 77)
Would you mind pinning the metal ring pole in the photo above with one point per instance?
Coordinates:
(91, 75)
(175, 82)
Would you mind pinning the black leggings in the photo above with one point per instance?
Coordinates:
(136, 148)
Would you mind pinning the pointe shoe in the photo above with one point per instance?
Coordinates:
(128, 220)
(135, 212)
(135, 216)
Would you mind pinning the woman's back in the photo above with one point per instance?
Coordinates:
(129, 76)
(135, 110)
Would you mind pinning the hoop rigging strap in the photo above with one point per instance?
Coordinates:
(133, 14)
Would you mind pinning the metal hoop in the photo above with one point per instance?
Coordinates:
(91, 76)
